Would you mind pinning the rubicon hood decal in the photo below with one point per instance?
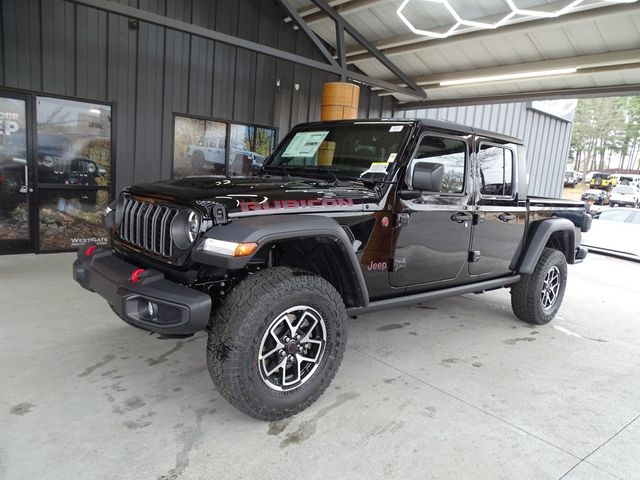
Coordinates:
(278, 204)
(242, 195)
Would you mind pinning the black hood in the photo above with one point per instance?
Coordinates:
(246, 194)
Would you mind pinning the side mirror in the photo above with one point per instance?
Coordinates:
(426, 176)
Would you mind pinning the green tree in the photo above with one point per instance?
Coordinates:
(604, 128)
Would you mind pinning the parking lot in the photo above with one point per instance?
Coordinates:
(454, 389)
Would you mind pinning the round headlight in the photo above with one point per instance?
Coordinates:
(48, 161)
(91, 167)
(193, 226)
(185, 228)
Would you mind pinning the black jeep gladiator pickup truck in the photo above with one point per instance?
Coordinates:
(344, 218)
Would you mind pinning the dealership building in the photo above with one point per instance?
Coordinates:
(98, 95)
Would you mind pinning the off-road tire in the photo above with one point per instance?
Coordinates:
(238, 327)
(526, 300)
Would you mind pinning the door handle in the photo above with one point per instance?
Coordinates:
(506, 217)
(461, 217)
(26, 188)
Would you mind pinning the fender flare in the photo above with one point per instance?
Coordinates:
(267, 229)
(537, 239)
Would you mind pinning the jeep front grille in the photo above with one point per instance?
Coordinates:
(148, 226)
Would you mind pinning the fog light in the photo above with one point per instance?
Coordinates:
(147, 310)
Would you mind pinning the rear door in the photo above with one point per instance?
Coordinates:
(499, 219)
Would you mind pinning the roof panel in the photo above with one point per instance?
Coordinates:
(597, 31)
(619, 33)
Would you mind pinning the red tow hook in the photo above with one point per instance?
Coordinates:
(135, 276)
(90, 249)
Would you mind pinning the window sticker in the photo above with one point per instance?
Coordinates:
(396, 128)
(378, 167)
(392, 157)
(305, 144)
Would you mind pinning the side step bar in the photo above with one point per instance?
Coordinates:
(478, 287)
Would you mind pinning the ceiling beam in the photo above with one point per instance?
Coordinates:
(583, 63)
(455, 89)
(312, 14)
(202, 32)
(409, 43)
(587, 92)
(344, 26)
(579, 73)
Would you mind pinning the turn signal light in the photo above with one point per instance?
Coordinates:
(245, 249)
(231, 249)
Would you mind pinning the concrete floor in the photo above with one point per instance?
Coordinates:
(456, 389)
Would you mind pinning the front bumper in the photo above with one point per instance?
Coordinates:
(175, 309)
(581, 254)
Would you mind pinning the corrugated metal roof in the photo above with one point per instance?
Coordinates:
(602, 28)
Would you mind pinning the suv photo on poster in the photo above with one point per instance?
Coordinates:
(74, 172)
(200, 147)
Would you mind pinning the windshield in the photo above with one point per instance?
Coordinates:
(601, 175)
(351, 151)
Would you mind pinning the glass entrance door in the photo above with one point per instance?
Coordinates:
(55, 172)
(16, 176)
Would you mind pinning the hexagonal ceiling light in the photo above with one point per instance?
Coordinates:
(458, 20)
(514, 10)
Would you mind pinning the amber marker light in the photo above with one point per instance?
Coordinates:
(245, 249)
(231, 249)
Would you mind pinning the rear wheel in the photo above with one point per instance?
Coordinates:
(277, 342)
(537, 297)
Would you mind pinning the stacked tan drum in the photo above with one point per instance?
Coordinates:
(339, 101)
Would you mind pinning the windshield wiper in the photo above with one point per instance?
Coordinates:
(302, 169)
(321, 170)
(281, 167)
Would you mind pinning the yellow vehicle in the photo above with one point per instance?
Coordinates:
(603, 181)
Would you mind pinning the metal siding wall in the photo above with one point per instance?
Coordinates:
(177, 66)
(151, 73)
(21, 42)
(547, 138)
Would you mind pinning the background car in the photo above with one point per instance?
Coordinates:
(603, 181)
(624, 195)
(595, 196)
(615, 231)
(570, 178)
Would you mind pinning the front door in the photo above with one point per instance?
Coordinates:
(432, 243)
(16, 176)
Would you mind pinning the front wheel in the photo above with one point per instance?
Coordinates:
(276, 342)
(536, 298)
